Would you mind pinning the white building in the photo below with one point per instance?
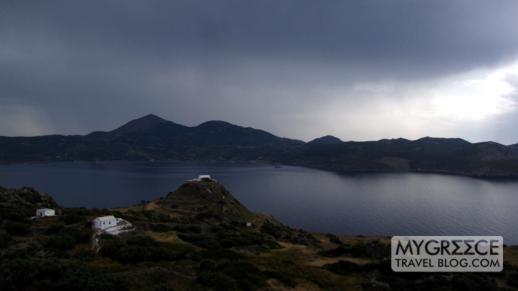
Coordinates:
(111, 225)
(45, 212)
(201, 177)
(104, 222)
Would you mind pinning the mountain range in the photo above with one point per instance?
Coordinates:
(153, 138)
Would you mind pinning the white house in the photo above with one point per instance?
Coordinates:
(111, 225)
(201, 177)
(104, 222)
(45, 212)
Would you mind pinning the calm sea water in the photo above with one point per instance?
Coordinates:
(374, 204)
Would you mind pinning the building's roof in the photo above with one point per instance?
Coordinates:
(44, 209)
(104, 218)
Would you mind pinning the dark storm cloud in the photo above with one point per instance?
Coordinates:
(454, 33)
(76, 66)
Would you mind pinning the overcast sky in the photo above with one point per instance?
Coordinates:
(360, 70)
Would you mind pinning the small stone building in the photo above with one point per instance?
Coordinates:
(45, 212)
(111, 225)
(104, 222)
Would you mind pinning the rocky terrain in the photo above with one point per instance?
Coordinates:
(200, 237)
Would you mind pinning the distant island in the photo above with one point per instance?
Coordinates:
(151, 138)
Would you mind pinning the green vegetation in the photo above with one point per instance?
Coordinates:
(373, 250)
(140, 248)
(200, 238)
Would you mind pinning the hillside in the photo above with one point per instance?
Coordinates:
(151, 138)
(200, 237)
(438, 155)
(154, 138)
(19, 204)
(327, 139)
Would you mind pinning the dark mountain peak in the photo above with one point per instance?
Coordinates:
(490, 150)
(151, 116)
(489, 143)
(442, 140)
(216, 124)
(394, 140)
(222, 132)
(327, 139)
(144, 123)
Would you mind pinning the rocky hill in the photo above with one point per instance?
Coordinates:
(19, 204)
(200, 237)
(209, 216)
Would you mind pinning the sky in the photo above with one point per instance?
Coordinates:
(357, 69)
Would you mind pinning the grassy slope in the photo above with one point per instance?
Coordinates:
(197, 238)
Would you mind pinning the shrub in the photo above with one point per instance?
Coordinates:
(333, 238)
(139, 249)
(220, 255)
(273, 230)
(512, 279)
(142, 240)
(17, 228)
(191, 228)
(469, 281)
(161, 227)
(217, 281)
(375, 250)
(246, 238)
(284, 278)
(204, 241)
(248, 276)
(81, 235)
(73, 218)
(54, 229)
(281, 232)
(342, 267)
(232, 276)
(14, 214)
(61, 241)
(4, 240)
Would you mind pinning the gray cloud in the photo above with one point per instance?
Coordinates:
(278, 65)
